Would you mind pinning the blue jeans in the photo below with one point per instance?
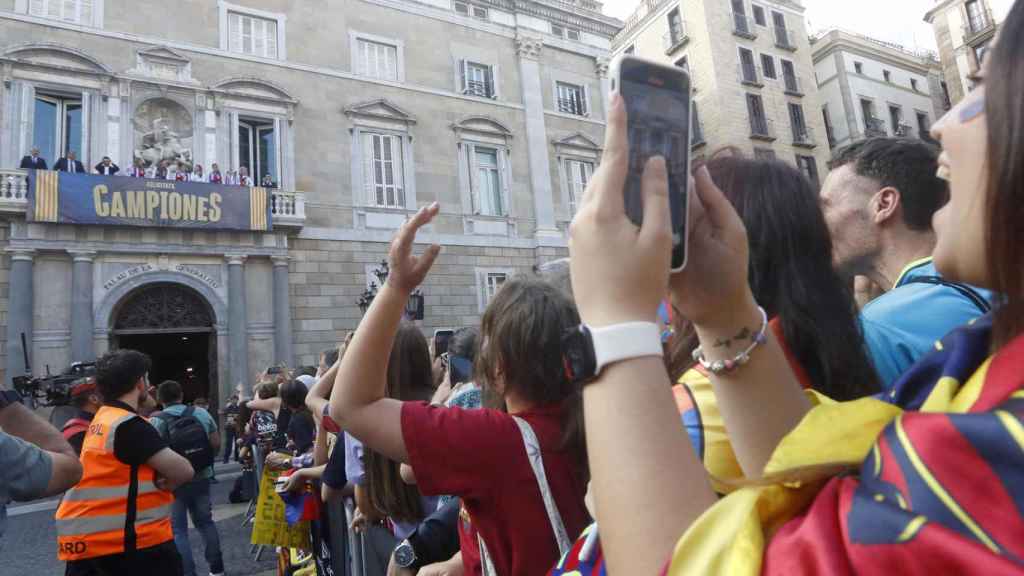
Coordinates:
(193, 499)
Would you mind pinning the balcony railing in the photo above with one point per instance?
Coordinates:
(762, 129)
(904, 130)
(288, 208)
(785, 38)
(874, 127)
(13, 191)
(478, 88)
(749, 74)
(675, 38)
(792, 85)
(974, 28)
(803, 136)
(743, 26)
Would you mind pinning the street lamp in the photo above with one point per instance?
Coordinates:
(414, 306)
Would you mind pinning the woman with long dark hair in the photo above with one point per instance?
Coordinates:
(926, 483)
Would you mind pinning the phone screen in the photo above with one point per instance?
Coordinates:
(441, 338)
(658, 107)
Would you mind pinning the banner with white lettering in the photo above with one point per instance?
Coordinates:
(122, 201)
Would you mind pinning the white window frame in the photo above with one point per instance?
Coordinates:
(462, 77)
(355, 37)
(225, 9)
(776, 66)
(469, 177)
(764, 12)
(484, 294)
(96, 19)
(381, 194)
(585, 94)
(573, 193)
(471, 9)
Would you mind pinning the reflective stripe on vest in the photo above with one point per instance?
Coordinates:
(92, 519)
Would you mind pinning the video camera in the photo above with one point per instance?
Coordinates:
(50, 390)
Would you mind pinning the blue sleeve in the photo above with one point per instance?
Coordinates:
(207, 419)
(354, 460)
(24, 470)
(889, 351)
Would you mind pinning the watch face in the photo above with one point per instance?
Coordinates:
(578, 350)
(404, 555)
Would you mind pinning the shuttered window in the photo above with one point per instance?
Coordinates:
(74, 11)
(252, 35)
(383, 174)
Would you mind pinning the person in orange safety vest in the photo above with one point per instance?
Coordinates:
(116, 520)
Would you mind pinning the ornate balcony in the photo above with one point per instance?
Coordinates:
(785, 39)
(792, 85)
(875, 127)
(743, 26)
(803, 137)
(13, 192)
(762, 129)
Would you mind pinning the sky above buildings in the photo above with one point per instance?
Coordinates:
(899, 21)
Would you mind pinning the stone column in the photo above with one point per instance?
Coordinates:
(282, 313)
(82, 348)
(601, 69)
(528, 48)
(19, 311)
(238, 324)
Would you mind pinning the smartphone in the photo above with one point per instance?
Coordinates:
(657, 99)
(273, 370)
(441, 338)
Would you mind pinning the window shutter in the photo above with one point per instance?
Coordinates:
(474, 178)
(463, 85)
(503, 177)
(235, 33)
(399, 169)
(37, 8)
(361, 57)
(489, 81)
(367, 152)
(259, 37)
(271, 38)
(54, 9)
(85, 12)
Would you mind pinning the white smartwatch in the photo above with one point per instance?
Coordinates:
(587, 351)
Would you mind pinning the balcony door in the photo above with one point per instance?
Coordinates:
(57, 127)
(258, 149)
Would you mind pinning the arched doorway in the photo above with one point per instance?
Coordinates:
(174, 325)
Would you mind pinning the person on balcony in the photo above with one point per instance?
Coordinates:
(106, 167)
(268, 181)
(197, 174)
(215, 176)
(244, 179)
(137, 170)
(70, 163)
(33, 161)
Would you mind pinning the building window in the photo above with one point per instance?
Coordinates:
(858, 67)
(487, 180)
(809, 167)
(572, 99)
(57, 127)
(477, 79)
(923, 126)
(872, 126)
(383, 173)
(257, 148)
(74, 11)
(782, 37)
(913, 84)
(376, 60)
(799, 123)
(748, 69)
(887, 75)
(768, 66)
(976, 18)
(675, 27)
(467, 9)
(578, 173)
(896, 120)
(789, 78)
(252, 35)
(557, 30)
(758, 120)
(488, 282)
(829, 131)
(946, 102)
(696, 126)
(764, 154)
(759, 17)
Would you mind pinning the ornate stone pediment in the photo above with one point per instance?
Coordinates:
(380, 109)
(163, 63)
(482, 125)
(252, 87)
(54, 55)
(578, 141)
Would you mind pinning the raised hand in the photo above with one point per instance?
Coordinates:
(408, 271)
(620, 273)
(714, 282)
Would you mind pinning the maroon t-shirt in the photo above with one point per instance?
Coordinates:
(479, 456)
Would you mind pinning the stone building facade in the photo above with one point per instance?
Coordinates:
(873, 88)
(359, 111)
(751, 70)
(964, 29)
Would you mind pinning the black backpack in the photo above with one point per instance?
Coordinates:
(187, 436)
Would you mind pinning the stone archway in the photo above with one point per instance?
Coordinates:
(176, 326)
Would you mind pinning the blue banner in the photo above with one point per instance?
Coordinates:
(122, 201)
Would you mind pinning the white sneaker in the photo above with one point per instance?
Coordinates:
(217, 574)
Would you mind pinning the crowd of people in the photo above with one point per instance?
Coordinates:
(163, 170)
(747, 415)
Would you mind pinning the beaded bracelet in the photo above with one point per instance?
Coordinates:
(727, 366)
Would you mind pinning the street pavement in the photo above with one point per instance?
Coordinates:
(29, 545)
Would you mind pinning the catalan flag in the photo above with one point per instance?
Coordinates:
(44, 196)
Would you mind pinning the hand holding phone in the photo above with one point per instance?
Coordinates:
(657, 99)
